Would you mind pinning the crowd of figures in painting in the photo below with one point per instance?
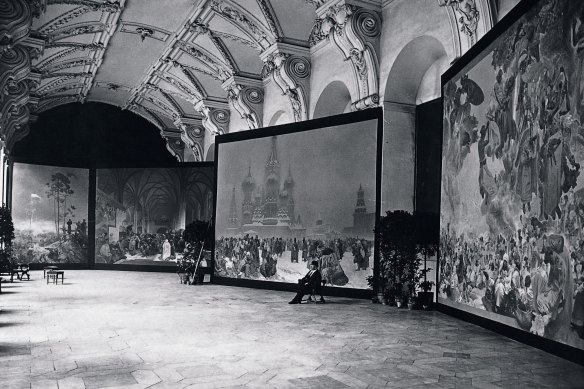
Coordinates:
(141, 214)
(278, 259)
(512, 212)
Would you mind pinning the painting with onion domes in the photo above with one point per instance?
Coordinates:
(286, 199)
(512, 195)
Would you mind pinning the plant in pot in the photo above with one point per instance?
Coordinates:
(6, 238)
(197, 237)
(378, 284)
(426, 296)
(397, 252)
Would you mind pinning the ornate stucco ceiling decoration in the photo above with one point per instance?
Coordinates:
(184, 65)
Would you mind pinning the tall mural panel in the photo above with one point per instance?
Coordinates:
(49, 209)
(141, 213)
(512, 196)
(291, 198)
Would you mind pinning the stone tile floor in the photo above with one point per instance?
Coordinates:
(108, 329)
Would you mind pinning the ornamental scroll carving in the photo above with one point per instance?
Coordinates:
(291, 73)
(15, 69)
(466, 13)
(193, 136)
(215, 120)
(247, 100)
(355, 31)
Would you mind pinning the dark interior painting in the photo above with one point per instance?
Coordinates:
(141, 213)
(49, 208)
(288, 199)
(512, 196)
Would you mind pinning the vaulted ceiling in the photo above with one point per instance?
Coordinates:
(169, 61)
(187, 65)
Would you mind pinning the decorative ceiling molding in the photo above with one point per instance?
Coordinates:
(144, 30)
(70, 48)
(271, 18)
(15, 65)
(200, 28)
(245, 22)
(194, 91)
(355, 31)
(289, 66)
(65, 18)
(221, 70)
(111, 86)
(76, 29)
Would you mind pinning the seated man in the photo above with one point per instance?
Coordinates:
(311, 281)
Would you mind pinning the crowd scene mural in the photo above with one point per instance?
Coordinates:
(297, 198)
(141, 214)
(50, 214)
(512, 212)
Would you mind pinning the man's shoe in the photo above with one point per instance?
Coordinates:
(294, 302)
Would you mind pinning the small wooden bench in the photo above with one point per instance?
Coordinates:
(22, 269)
(53, 275)
(8, 271)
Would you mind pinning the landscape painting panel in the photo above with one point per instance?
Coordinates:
(141, 214)
(512, 205)
(49, 209)
(284, 201)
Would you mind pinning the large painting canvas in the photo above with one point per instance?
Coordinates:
(286, 200)
(49, 210)
(512, 200)
(141, 213)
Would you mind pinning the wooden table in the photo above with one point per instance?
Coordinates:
(49, 268)
(54, 276)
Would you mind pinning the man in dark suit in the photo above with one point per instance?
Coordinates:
(311, 281)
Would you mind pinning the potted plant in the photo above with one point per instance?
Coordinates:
(378, 284)
(197, 239)
(397, 253)
(6, 238)
(426, 296)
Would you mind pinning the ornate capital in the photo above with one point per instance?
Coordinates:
(193, 135)
(246, 97)
(290, 68)
(355, 31)
(215, 116)
(174, 144)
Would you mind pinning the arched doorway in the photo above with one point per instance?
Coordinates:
(334, 99)
(414, 78)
